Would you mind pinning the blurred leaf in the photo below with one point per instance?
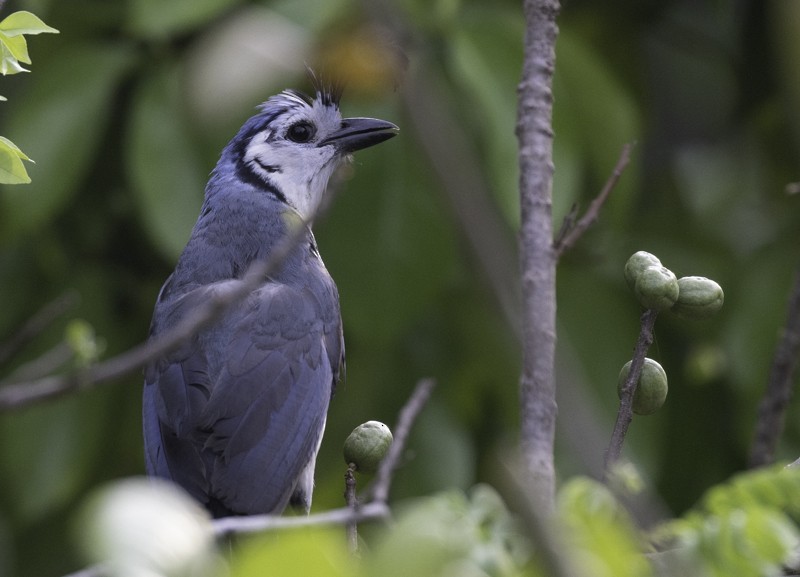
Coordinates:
(600, 528)
(60, 122)
(776, 487)
(12, 171)
(741, 526)
(317, 552)
(451, 533)
(163, 165)
(80, 336)
(159, 19)
(148, 527)
(24, 22)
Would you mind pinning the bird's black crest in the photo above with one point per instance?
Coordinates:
(328, 91)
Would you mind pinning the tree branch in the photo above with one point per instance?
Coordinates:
(408, 414)
(773, 406)
(571, 234)
(228, 526)
(537, 256)
(625, 412)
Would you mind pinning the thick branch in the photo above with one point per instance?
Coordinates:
(773, 406)
(537, 256)
(625, 412)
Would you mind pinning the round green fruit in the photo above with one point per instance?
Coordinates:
(651, 390)
(656, 288)
(636, 264)
(698, 298)
(367, 445)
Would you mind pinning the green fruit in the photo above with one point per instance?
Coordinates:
(651, 391)
(699, 298)
(367, 445)
(636, 264)
(656, 288)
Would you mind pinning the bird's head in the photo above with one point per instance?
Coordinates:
(291, 148)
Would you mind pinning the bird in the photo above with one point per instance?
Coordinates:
(235, 414)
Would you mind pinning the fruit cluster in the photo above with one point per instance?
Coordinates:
(657, 288)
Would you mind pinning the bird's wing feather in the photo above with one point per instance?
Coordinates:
(176, 390)
(267, 409)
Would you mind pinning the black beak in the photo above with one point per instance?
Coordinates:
(358, 133)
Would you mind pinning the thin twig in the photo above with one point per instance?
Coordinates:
(537, 256)
(29, 393)
(773, 406)
(383, 478)
(228, 526)
(574, 233)
(625, 412)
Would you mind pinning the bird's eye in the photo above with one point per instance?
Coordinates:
(300, 132)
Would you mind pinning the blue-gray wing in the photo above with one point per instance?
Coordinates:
(240, 413)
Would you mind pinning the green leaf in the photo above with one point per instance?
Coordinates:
(167, 176)
(59, 123)
(12, 171)
(8, 62)
(16, 46)
(318, 551)
(24, 22)
(600, 528)
(16, 149)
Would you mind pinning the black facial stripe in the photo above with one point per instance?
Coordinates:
(246, 174)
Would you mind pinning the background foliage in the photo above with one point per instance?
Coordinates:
(128, 108)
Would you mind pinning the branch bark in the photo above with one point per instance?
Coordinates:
(537, 254)
(773, 406)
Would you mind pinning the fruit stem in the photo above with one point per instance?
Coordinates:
(625, 411)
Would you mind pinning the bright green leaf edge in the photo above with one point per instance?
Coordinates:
(12, 171)
(24, 22)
